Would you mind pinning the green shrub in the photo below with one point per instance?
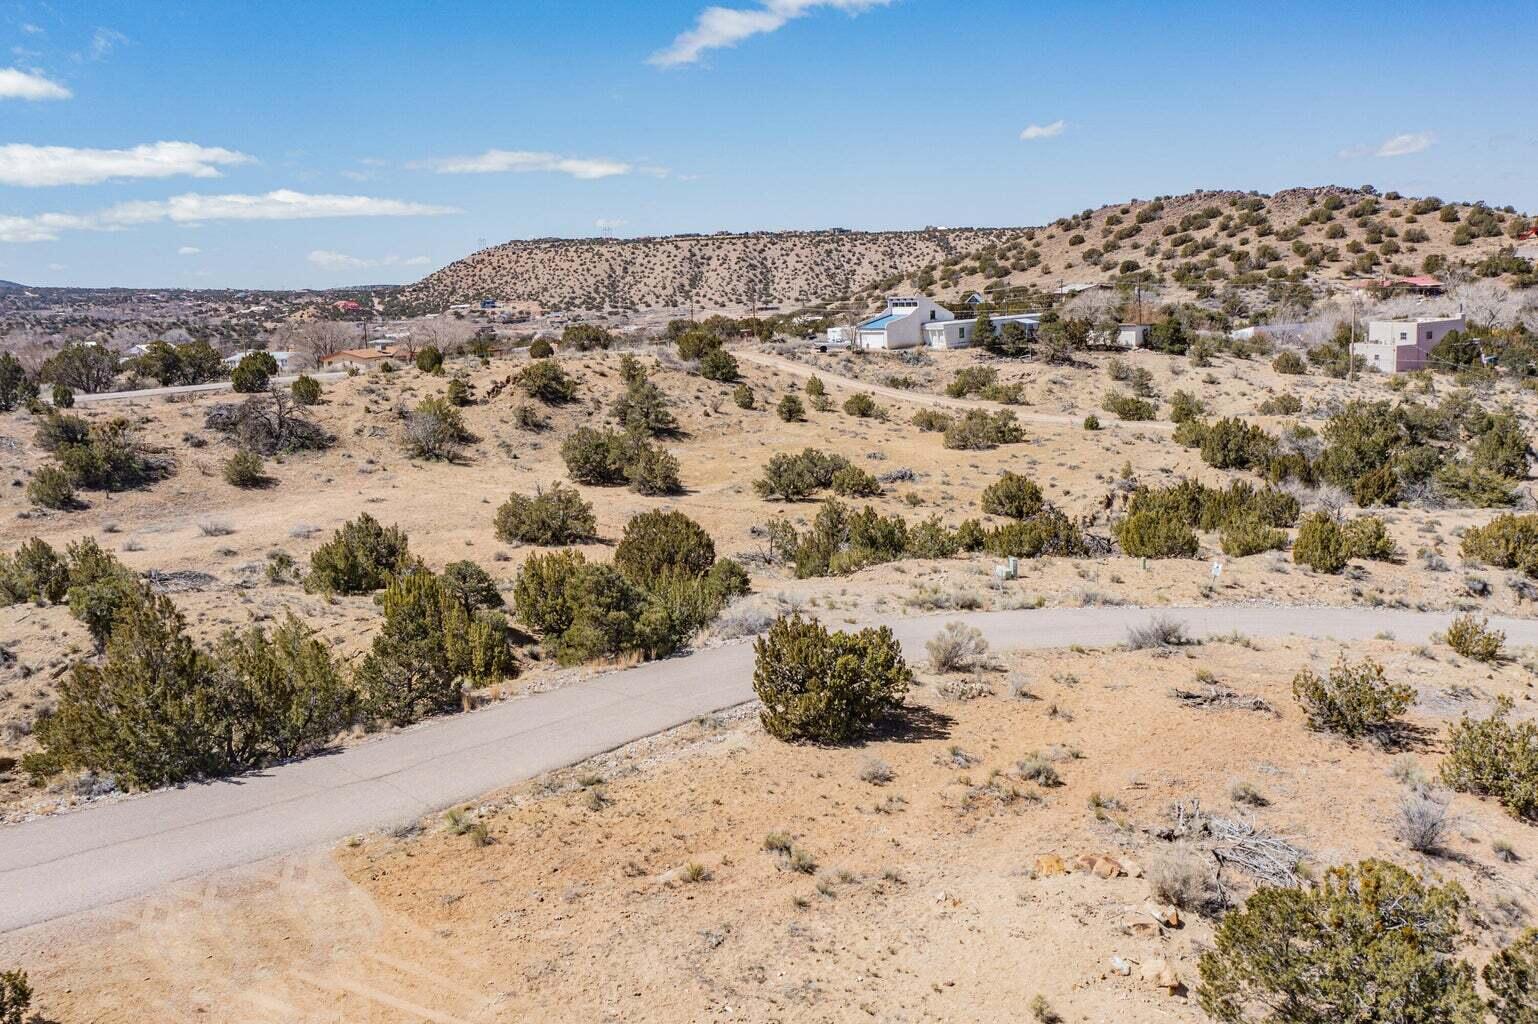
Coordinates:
(643, 408)
(52, 487)
(970, 380)
(854, 482)
(1502, 447)
(1512, 978)
(35, 573)
(157, 711)
(743, 396)
(253, 372)
(1012, 496)
(1507, 541)
(63, 396)
(1211, 508)
(1126, 407)
(100, 587)
(1284, 404)
(15, 997)
(790, 409)
(861, 405)
(658, 544)
(548, 518)
(306, 390)
(651, 470)
(585, 337)
(1321, 544)
(607, 458)
(977, 430)
(359, 558)
(1353, 701)
(1247, 535)
(244, 468)
(1185, 407)
(471, 586)
(436, 430)
(540, 348)
(1495, 757)
(696, 344)
(1368, 943)
(1047, 533)
(429, 359)
(789, 477)
(717, 364)
(1289, 362)
(1473, 638)
(814, 386)
(428, 649)
(546, 381)
(1367, 538)
(1378, 487)
(932, 420)
(458, 393)
(827, 687)
(1149, 534)
(16, 387)
(584, 611)
(1459, 483)
(1233, 444)
(1092, 422)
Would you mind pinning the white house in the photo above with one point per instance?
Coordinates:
(1398, 346)
(962, 333)
(901, 324)
(1131, 336)
(283, 359)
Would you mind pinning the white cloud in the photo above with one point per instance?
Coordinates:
(104, 41)
(39, 166)
(328, 259)
(188, 250)
(1398, 145)
(501, 161)
(16, 84)
(192, 208)
(609, 223)
(720, 27)
(1044, 131)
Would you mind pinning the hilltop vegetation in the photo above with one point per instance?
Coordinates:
(1202, 243)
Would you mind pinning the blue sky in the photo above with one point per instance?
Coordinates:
(203, 144)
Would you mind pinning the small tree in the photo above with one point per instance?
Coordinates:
(244, 468)
(1012, 496)
(34, 573)
(1353, 701)
(861, 405)
(435, 430)
(1473, 638)
(1495, 757)
(547, 382)
(541, 348)
(253, 372)
(549, 518)
(52, 487)
(458, 393)
(359, 558)
(659, 544)
(63, 396)
(15, 997)
(1370, 943)
(827, 687)
(790, 409)
(718, 364)
(743, 396)
(1321, 544)
(429, 359)
(306, 390)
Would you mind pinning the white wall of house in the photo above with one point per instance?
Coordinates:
(905, 329)
(1131, 336)
(1400, 346)
(947, 334)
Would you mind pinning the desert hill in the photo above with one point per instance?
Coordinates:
(1198, 244)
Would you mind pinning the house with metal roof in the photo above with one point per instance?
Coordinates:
(901, 324)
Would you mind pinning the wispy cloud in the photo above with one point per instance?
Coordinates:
(16, 84)
(104, 41)
(192, 208)
(609, 223)
(1043, 131)
(1398, 145)
(39, 166)
(518, 161)
(720, 27)
(328, 259)
(188, 250)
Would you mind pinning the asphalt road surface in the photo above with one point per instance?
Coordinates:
(55, 866)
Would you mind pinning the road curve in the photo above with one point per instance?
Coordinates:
(55, 866)
(791, 366)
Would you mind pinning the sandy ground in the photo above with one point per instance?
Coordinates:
(924, 903)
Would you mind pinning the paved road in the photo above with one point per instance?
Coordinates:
(938, 401)
(68, 863)
(187, 389)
